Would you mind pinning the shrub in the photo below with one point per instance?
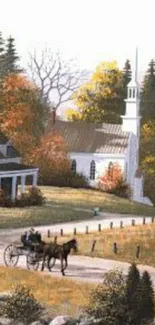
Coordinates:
(113, 182)
(5, 201)
(123, 300)
(33, 197)
(21, 306)
(66, 179)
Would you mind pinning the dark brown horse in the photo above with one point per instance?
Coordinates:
(55, 251)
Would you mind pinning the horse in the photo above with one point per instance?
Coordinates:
(56, 251)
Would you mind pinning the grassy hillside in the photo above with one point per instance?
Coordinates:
(67, 204)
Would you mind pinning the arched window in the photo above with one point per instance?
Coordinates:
(130, 93)
(92, 170)
(110, 168)
(73, 167)
(134, 92)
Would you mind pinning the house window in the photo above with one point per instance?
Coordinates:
(9, 151)
(73, 167)
(92, 170)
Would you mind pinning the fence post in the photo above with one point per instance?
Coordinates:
(152, 219)
(48, 233)
(61, 232)
(144, 221)
(99, 227)
(55, 239)
(93, 246)
(111, 225)
(87, 230)
(74, 231)
(137, 251)
(133, 222)
(121, 224)
(115, 248)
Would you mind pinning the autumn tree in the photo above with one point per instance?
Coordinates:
(56, 78)
(50, 155)
(101, 98)
(23, 113)
(113, 181)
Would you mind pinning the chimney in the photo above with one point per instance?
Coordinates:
(53, 115)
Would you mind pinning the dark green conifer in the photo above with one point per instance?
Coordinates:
(148, 94)
(147, 294)
(11, 57)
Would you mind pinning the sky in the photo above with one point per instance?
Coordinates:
(90, 31)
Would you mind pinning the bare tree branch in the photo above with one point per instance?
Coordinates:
(56, 78)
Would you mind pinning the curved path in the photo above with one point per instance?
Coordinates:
(81, 268)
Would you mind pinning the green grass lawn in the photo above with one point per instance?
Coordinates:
(62, 204)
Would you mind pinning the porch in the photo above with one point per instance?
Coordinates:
(13, 174)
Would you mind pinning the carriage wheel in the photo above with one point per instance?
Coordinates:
(32, 261)
(51, 263)
(11, 256)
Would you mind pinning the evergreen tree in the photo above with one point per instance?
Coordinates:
(147, 294)
(148, 94)
(11, 57)
(2, 57)
(133, 296)
(127, 75)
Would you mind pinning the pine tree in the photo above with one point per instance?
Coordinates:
(11, 57)
(148, 94)
(147, 294)
(2, 56)
(133, 296)
(127, 75)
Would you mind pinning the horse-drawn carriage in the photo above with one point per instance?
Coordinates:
(37, 252)
(30, 247)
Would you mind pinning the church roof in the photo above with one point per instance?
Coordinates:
(92, 137)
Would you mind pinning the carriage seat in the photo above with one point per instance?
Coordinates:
(31, 239)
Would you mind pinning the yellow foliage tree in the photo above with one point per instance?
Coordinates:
(101, 98)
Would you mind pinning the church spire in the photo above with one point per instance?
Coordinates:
(131, 119)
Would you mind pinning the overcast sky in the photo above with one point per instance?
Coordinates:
(89, 30)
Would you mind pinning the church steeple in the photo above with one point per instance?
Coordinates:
(131, 119)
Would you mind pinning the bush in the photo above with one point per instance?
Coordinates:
(21, 306)
(33, 197)
(113, 182)
(5, 201)
(68, 179)
(123, 300)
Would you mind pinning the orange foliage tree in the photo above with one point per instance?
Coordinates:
(51, 157)
(113, 181)
(22, 112)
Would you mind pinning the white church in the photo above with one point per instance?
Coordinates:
(93, 147)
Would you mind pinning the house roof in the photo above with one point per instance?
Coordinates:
(14, 166)
(92, 137)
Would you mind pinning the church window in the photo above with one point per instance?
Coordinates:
(110, 169)
(134, 92)
(73, 167)
(92, 170)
